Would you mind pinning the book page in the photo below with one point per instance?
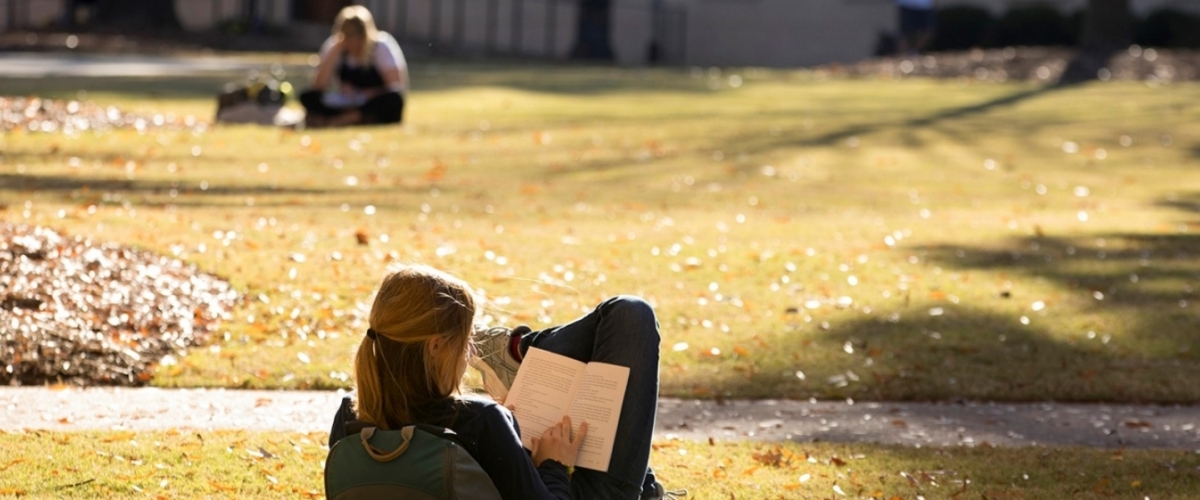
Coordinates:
(598, 402)
(542, 391)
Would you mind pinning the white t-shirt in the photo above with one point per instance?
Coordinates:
(916, 4)
(387, 55)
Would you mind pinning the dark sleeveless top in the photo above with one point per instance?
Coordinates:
(362, 77)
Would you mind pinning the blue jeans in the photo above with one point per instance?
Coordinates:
(621, 331)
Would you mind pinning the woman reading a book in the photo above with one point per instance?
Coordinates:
(410, 367)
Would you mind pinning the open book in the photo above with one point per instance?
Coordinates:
(550, 385)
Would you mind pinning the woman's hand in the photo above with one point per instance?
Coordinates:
(329, 61)
(556, 443)
(338, 47)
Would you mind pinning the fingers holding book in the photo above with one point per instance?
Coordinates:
(557, 444)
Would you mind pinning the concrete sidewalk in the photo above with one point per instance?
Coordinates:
(58, 65)
(916, 424)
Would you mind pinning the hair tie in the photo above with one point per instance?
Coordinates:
(371, 333)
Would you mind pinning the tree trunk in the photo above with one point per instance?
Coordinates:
(1106, 25)
(153, 15)
(594, 35)
(1107, 28)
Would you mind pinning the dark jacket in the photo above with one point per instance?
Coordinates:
(491, 436)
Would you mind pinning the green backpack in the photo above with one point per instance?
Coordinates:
(417, 462)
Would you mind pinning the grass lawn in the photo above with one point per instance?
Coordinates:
(185, 465)
(800, 237)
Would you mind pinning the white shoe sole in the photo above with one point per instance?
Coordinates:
(491, 382)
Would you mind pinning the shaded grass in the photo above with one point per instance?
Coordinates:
(191, 464)
(923, 240)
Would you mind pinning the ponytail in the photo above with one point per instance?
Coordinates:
(369, 404)
(395, 370)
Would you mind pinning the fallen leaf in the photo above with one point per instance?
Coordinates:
(221, 487)
(437, 172)
(10, 464)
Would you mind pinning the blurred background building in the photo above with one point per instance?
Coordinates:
(693, 32)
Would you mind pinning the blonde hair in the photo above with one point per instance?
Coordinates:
(396, 371)
(357, 21)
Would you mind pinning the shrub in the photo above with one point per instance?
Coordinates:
(1169, 28)
(963, 27)
(1036, 24)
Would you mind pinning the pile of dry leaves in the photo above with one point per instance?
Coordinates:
(1039, 64)
(80, 312)
(34, 114)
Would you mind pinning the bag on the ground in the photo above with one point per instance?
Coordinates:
(255, 101)
(416, 462)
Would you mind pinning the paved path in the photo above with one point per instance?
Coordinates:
(918, 424)
(42, 65)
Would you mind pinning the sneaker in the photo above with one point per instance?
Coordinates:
(495, 361)
(660, 493)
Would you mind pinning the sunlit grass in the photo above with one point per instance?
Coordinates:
(191, 464)
(799, 237)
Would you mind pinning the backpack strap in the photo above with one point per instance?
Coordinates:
(439, 431)
(406, 435)
(379, 455)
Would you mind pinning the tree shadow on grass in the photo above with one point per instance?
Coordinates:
(567, 80)
(191, 194)
(757, 142)
(1148, 277)
(843, 134)
(563, 79)
(1134, 306)
(115, 157)
(1141, 288)
(1189, 203)
(70, 184)
(962, 353)
(148, 88)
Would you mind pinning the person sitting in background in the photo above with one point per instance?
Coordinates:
(370, 72)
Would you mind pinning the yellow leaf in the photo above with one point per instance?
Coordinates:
(221, 487)
(437, 172)
(11, 463)
(120, 436)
